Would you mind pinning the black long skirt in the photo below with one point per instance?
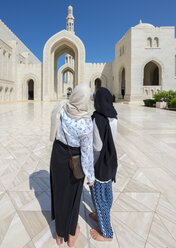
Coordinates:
(65, 190)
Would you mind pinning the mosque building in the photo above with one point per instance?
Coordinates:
(145, 63)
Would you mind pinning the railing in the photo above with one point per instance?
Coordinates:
(149, 91)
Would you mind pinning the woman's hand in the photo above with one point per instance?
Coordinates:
(91, 184)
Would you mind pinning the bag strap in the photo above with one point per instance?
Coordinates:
(66, 138)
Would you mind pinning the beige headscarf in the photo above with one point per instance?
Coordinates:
(77, 107)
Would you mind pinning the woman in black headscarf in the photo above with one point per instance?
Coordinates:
(105, 160)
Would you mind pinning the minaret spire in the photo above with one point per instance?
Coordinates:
(70, 19)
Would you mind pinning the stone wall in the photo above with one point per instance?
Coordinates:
(98, 70)
(16, 62)
(25, 72)
(163, 55)
(6, 35)
(122, 61)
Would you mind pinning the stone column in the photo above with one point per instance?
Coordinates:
(1, 62)
(6, 65)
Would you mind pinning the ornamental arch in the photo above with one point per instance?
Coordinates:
(97, 80)
(152, 73)
(61, 72)
(30, 88)
(61, 43)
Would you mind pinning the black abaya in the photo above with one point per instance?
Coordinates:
(65, 190)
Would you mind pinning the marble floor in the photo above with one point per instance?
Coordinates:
(144, 208)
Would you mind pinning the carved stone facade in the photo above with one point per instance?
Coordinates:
(17, 67)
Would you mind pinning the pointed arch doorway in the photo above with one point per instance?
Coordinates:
(98, 84)
(30, 88)
(122, 83)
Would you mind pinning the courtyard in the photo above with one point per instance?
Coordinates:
(144, 207)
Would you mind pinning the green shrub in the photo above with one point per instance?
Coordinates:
(172, 103)
(166, 96)
(149, 102)
(160, 96)
(170, 95)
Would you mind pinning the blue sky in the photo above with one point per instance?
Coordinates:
(98, 23)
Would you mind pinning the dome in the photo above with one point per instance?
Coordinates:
(144, 25)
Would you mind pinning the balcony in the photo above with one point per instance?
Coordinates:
(150, 90)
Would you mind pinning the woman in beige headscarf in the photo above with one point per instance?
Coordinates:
(71, 125)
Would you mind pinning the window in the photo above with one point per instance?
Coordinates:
(122, 50)
(149, 42)
(156, 42)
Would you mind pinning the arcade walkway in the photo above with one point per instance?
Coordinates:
(144, 208)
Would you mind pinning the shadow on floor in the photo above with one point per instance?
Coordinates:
(87, 206)
(40, 182)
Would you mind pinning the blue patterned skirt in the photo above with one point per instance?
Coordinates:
(102, 197)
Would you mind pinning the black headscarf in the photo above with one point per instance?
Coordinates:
(106, 165)
(103, 103)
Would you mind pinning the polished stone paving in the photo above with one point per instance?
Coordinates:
(144, 207)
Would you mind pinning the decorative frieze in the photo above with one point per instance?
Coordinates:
(21, 59)
(5, 46)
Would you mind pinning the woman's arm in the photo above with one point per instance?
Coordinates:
(113, 125)
(97, 143)
(87, 159)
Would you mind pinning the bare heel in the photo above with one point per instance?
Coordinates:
(72, 239)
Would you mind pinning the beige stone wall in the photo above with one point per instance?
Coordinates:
(163, 56)
(122, 60)
(98, 70)
(16, 63)
(7, 77)
(7, 35)
(25, 72)
(133, 52)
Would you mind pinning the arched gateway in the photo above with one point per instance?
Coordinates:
(152, 78)
(30, 87)
(63, 42)
(62, 88)
(152, 73)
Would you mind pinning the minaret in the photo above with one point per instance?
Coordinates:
(70, 19)
(70, 27)
(68, 58)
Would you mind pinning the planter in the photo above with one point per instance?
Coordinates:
(161, 105)
(149, 102)
(172, 109)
